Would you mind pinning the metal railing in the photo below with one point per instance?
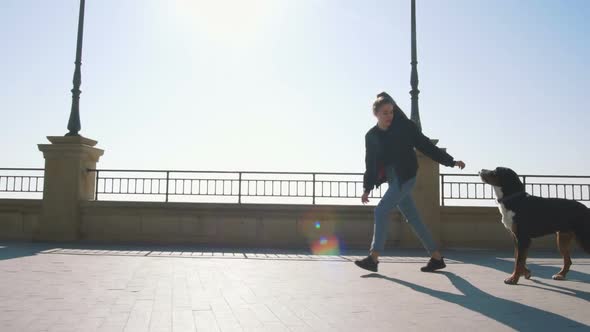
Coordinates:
(15, 181)
(469, 187)
(233, 185)
(281, 187)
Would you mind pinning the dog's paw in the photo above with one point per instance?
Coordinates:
(512, 280)
(527, 274)
(559, 277)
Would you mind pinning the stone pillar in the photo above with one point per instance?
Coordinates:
(427, 197)
(66, 183)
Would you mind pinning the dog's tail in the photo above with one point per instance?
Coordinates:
(581, 227)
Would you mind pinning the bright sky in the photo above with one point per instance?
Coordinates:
(277, 85)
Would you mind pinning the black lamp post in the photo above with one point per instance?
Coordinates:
(415, 116)
(74, 122)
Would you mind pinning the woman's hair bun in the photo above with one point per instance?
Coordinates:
(384, 95)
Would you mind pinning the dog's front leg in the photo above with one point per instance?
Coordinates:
(513, 279)
(521, 247)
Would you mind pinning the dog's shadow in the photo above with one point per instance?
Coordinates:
(541, 272)
(559, 289)
(513, 314)
(537, 270)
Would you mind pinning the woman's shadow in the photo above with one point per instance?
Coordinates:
(513, 314)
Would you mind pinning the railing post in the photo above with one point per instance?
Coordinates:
(524, 181)
(96, 186)
(239, 187)
(313, 192)
(167, 180)
(442, 189)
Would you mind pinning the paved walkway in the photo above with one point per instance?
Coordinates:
(107, 288)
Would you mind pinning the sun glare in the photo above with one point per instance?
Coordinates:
(232, 21)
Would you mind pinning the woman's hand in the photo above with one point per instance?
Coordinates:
(365, 198)
(460, 164)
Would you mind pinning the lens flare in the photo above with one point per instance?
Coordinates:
(326, 245)
(320, 230)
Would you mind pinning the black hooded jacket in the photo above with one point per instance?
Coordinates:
(395, 146)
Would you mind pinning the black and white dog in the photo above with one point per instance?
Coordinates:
(529, 216)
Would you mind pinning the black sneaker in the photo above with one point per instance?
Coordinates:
(367, 263)
(433, 265)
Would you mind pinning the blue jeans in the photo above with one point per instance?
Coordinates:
(400, 197)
